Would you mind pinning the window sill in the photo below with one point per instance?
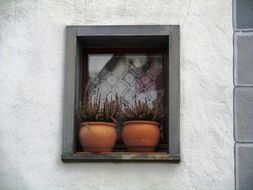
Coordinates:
(121, 157)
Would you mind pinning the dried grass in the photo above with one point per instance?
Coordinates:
(142, 111)
(96, 110)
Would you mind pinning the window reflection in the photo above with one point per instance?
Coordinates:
(128, 75)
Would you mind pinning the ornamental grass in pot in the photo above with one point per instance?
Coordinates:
(141, 126)
(98, 123)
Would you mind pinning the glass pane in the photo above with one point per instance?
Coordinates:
(128, 75)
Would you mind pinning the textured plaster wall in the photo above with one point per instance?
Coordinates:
(31, 95)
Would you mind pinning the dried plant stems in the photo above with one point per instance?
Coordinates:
(142, 111)
(110, 109)
(95, 110)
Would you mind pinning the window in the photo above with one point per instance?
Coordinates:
(136, 62)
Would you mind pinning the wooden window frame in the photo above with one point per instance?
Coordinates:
(120, 38)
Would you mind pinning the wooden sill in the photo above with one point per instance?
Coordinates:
(121, 157)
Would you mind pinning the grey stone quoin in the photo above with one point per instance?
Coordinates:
(243, 93)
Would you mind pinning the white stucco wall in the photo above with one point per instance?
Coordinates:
(31, 95)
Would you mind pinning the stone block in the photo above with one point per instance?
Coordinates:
(243, 14)
(243, 114)
(243, 57)
(244, 167)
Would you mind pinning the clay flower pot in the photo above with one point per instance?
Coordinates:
(141, 136)
(97, 136)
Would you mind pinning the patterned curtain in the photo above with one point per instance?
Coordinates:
(131, 76)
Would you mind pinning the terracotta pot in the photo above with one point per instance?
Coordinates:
(141, 136)
(97, 136)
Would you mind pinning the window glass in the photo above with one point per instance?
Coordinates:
(127, 75)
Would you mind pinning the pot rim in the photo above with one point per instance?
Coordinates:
(90, 123)
(141, 122)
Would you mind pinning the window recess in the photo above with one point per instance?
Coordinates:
(135, 62)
